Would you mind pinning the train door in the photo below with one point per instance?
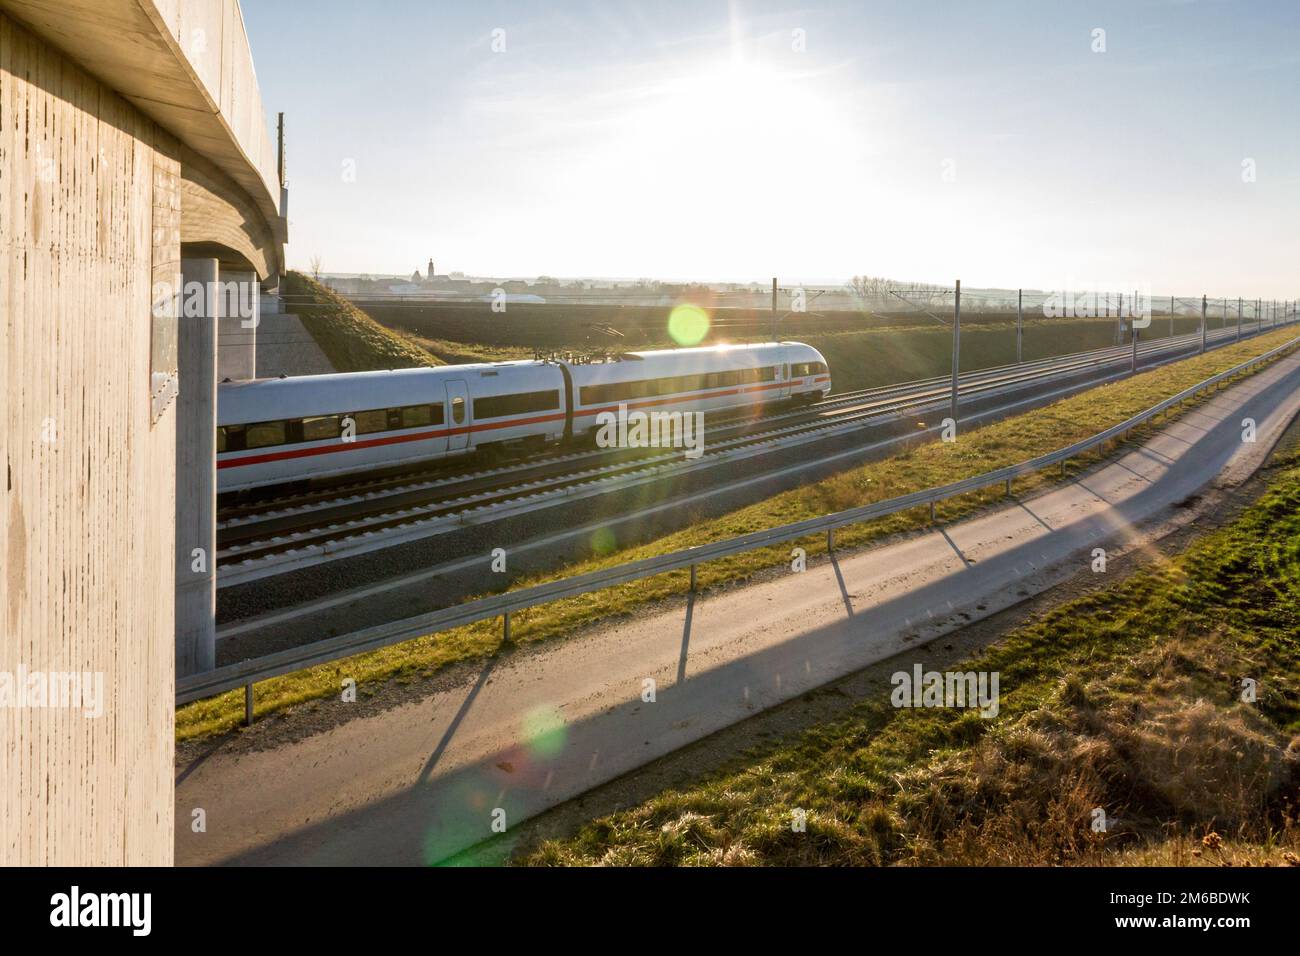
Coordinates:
(457, 415)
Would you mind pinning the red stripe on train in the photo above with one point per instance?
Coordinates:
(441, 433)
(377, 442)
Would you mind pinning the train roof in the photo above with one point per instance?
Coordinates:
(737, 348)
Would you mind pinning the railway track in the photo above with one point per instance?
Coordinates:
(261, 538)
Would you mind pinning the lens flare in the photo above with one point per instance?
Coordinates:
(544, 731)
(688, 324)
(603, 541)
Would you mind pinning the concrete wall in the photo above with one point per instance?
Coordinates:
(89, 220)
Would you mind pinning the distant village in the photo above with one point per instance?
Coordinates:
(860, 293)
(458, 287)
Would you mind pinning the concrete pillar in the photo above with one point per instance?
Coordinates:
(196, 470)
(239, 310)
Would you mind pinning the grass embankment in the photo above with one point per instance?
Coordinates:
(1128, 700)
(873, 357)
(863, 350)
(350, 339)
(461, 353)
(977, 451)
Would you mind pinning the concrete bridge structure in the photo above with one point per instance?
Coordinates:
(136, 170)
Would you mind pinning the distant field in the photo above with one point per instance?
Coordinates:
(863, 350)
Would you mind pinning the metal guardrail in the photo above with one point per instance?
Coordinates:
(246, 673)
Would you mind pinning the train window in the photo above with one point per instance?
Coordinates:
(264, 434)
(230, 438)
(320, 428)
(458, 410)
(415, 415)
(370, 422)
(498, 406)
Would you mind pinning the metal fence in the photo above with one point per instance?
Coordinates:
(246, 673)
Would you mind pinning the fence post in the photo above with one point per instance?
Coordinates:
(956, 345)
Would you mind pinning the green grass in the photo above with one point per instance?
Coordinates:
(863, 350)
(1127, 700)
(875, 357)
(350, 339)
(461, 353)
(977, 451)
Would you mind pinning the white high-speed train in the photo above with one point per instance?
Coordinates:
(272, 431)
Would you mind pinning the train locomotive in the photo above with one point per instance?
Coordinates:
(290, 430)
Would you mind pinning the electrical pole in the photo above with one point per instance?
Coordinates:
(1134, 364)
(774, 309)
(1203, 325)
(956, 346)
(1171, 316)
(1238, 318)
(1020, 325)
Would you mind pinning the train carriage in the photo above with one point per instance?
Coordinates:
(274, 431)
(699, 379)
(279, 430)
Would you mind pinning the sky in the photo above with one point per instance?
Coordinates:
(1148, 144)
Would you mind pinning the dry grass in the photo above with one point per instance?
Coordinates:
(1128, 700)
(350, 339)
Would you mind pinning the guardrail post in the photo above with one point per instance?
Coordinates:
(931, 512)
(1008, 487)
(248, 705)
(692, 579)
(830, 540)
(505, 627)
